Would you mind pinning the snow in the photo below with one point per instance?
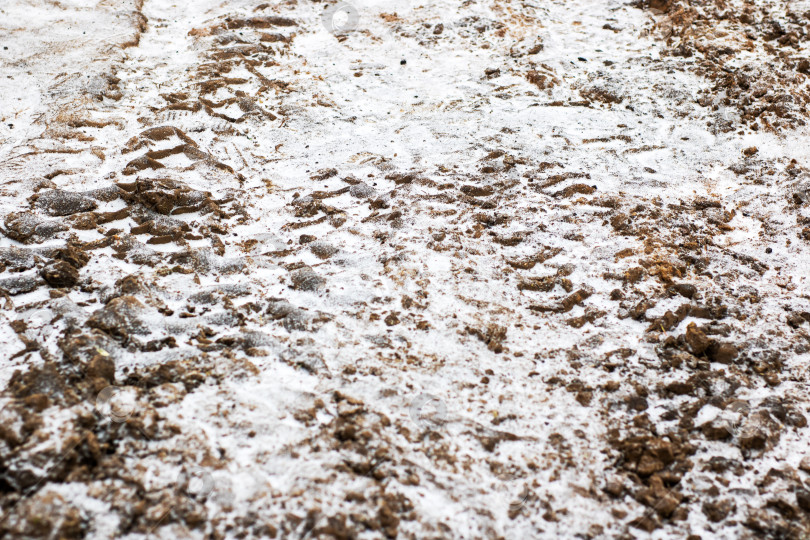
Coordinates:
(421, 104)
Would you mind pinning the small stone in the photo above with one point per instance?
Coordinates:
(103, 367)
(477, 191)
(753, 436)
(686, 290)
(614, 488)
(20, 284)
(637, 403)
(697, 341)
(719, 464)
(716, 429)
(37, 402)
(648, 465)
(667, 505)
(60, 274)
(324, 174)
(723, 353)
(362, 191)
(44, 515)
(717, 511)
(305, 279)
(802, 194)
(803, 499)
(322, 250)
(17, 259)
(64, 203)
(29, 229)
(121, 316)
(639, 311)
(311, 361)
(795, 320)
(584, 398)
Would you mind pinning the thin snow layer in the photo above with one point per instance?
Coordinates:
(341, 290)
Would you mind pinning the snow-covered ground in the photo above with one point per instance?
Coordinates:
(490, 269)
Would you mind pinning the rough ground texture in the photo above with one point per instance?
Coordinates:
(482, 269)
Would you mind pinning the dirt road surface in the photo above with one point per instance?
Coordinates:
(481, 269)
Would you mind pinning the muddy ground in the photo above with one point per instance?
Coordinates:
(481, 269)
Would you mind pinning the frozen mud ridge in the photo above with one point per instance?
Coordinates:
(398, 269)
